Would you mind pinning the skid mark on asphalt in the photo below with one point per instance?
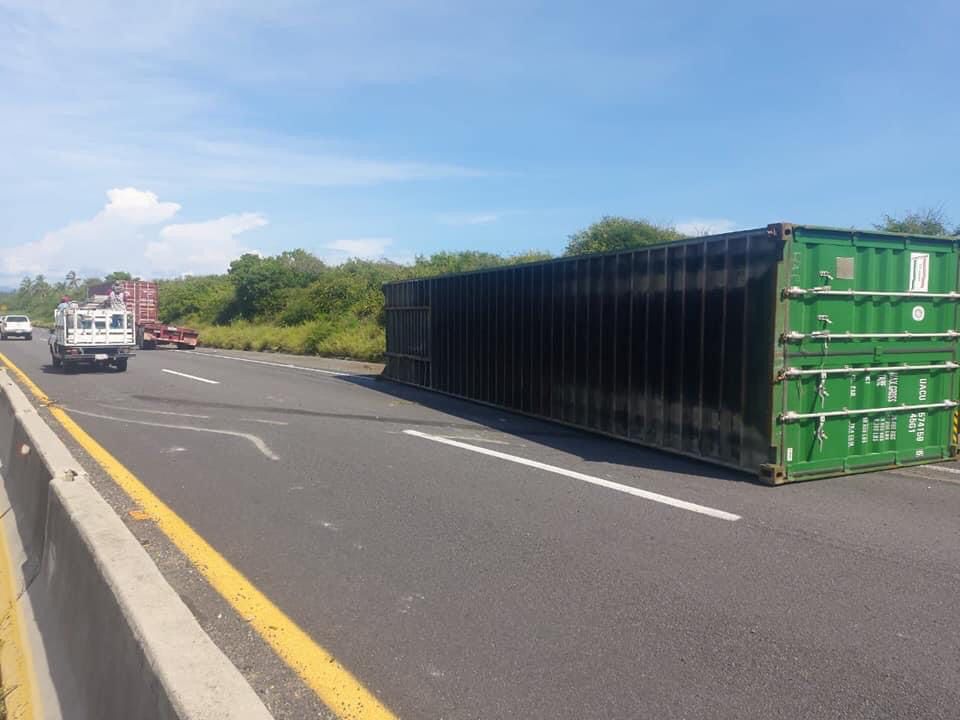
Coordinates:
(187, 415)
(256, 441)
(306, 413)
(628, 489)
(287, 366)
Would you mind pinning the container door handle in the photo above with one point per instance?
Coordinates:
(820, 433)
(822, 392)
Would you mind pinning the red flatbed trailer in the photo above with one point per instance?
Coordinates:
(141, 297)
(149, 334)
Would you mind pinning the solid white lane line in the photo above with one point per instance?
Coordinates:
(288, 366)
(940, 468)
(192, 377)
(645, 494)
(264, 422)
(474, 439)
(155, 412)
(257, 442)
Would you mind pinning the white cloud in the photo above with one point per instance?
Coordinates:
(373, 248)
(137, 207)
(101, 240)
(696, 227)
(201, 247)
(124, 235)
(468, 218)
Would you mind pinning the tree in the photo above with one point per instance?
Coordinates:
(445, 262)
(619, 233)
(118, 275)
(307, 266)
(925, 221)
(40, 285)
(528, 256)
(259, 283)
(207, 298)
(26, 286)
(71, 281)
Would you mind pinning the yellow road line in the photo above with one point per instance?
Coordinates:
(16, 662)
(339, 690)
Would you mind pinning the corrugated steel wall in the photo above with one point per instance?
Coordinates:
(670, 345)
(141, 297)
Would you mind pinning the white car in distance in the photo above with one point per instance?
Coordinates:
(15, 326)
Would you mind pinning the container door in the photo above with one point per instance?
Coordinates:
(409, 332)
(869, 351)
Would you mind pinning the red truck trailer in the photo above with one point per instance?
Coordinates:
(141, 298)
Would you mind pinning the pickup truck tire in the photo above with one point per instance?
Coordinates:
(29, 336)
(55, 361)
(122, 365)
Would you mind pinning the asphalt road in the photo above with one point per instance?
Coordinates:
(456, 584)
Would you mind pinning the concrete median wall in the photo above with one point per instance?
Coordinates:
(111, 638)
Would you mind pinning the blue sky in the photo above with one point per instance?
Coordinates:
(167, 138)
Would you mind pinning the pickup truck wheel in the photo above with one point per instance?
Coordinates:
(55, 361)
(29, 336)
(122, 365)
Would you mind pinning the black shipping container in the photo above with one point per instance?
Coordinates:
(716, 347)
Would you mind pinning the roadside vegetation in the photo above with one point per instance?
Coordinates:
(38, 296)
(295, 303)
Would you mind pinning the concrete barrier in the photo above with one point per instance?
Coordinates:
(30, 455)
(111, 638)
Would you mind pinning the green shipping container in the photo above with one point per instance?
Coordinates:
(867, 345)
(790, 351)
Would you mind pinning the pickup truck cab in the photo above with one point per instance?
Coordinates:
(16, 326)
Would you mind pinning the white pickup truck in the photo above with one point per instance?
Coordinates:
(16, 326)
(93, 335)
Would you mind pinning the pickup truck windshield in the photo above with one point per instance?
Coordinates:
(17, 318)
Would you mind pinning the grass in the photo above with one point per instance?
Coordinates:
(349, 338)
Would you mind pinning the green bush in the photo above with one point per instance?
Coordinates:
(363, 341)
(350, 338)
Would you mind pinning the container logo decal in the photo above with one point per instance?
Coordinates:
(918, 313)
(919, 272)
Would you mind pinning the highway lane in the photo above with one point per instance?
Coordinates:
(460, 585)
